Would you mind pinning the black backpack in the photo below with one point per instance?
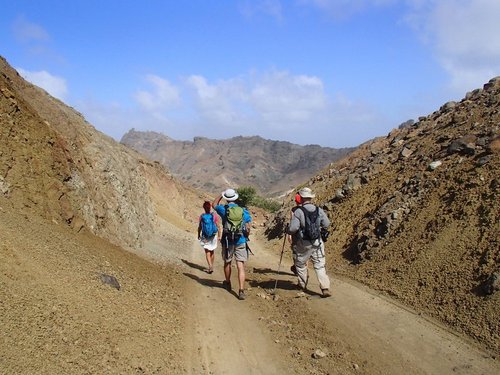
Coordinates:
(312, 229)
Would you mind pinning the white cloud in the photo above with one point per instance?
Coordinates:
(341, 9)
(281, 98)
(276, 99)
(55, 86)
(221, 102)
(273, 8)
(163, 96)
(463, 35)
(27, 31)
(280, 105)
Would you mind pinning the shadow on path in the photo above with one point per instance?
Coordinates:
(205, 282)
(281, 285)
(269, 270)
(194, 265)
(211, 283)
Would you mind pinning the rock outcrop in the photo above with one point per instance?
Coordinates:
(55, 164)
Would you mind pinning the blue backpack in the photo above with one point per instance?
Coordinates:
(208, 226)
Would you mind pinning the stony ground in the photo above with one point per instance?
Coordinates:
(61, 311)
(58, 316)
(416, 214)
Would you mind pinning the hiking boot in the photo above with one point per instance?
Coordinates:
(294, 270)
(227, 285)
(326, 293)
(242, 295)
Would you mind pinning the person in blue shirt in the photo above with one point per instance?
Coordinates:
(234, 245)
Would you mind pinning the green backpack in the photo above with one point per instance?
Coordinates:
(233, 225)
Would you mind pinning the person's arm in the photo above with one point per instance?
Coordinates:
(247, 219)
(294, 222)
(324, 220)
(199, 227)
(216, 201)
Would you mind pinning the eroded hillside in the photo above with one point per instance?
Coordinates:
(416, 214)
(68, 196)
(53, 163)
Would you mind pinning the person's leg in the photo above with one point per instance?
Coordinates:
(294, 259)
(319, 264)
(209, 259)
(227, 257)
(212, 259)
(227, 274)
(303, 254)
(241, 274)
(241, 256)
(227, 271)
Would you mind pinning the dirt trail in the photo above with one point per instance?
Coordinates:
(358, 330)
(226, 333)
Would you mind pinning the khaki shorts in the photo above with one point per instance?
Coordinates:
(239, 252)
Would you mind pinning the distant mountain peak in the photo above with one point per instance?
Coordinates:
(271, 166)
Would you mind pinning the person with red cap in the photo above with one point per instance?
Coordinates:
(305, 227)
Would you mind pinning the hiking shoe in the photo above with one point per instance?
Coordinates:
(227, 285)
(242, 295)
(294, 270)
(326, 293)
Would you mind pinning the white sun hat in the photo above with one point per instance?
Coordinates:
(230, 195)
(306, 193)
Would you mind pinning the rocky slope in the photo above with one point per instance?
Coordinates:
(417, 214)
(273, 167)
(69, 195)
(54, 164)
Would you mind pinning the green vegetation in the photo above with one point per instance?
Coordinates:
(248, 196)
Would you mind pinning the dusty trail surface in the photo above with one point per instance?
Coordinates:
(226, 333)
(359, 331)
(57, 316)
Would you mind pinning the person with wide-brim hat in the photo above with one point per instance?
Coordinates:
(234, 245)
(306, 248)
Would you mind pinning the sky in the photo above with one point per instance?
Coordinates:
(330, 72)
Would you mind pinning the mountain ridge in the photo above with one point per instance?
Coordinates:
(273, 167)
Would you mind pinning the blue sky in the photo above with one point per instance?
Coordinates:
(329, 72)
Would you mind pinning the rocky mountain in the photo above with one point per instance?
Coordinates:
(273, 167)
(417, 214)
(56, 165)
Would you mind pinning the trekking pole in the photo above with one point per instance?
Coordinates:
(281, 258)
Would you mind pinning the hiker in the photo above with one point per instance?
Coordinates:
(208, 233)
(308, 242)
(235, 231)
(298, 203)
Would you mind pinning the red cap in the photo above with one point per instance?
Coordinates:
(298, 198)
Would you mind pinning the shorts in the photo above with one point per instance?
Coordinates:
(239, 252)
